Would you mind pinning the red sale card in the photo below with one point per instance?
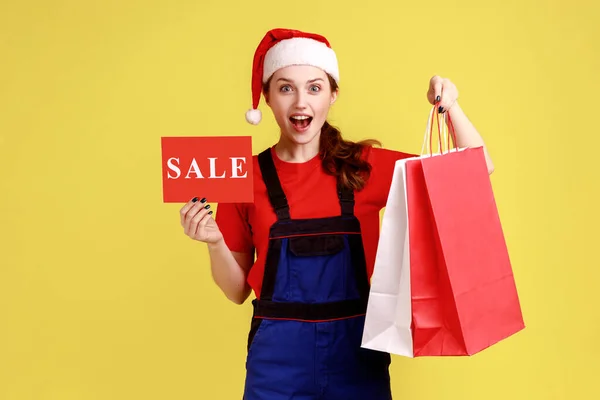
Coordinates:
(216, 167)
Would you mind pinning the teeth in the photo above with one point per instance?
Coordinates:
(300, 117)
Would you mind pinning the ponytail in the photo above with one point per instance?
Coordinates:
(343, 159)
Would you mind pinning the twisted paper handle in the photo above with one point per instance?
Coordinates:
(445, 129)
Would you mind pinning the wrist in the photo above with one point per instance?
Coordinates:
(215, 245)
(454, 108)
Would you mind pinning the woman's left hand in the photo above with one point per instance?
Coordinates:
(442, 92)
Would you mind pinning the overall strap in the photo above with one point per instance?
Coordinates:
(274, 189)
(346, 197)
(277, 196)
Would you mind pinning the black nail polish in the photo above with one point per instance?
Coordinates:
(203, 200)
(210, 212)
(441, 109)
(438, 98)
(207, 206)
(195, 199)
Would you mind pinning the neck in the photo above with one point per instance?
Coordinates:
(289, 151)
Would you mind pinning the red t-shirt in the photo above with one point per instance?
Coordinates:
(311, 193)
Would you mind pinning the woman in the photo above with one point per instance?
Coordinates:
(314, 225)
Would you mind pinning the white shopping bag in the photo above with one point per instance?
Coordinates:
(389, 313)
(388, 320)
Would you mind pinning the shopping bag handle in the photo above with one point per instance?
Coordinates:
(445, 132)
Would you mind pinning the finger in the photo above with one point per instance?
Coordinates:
(191, 213)
(202, 225)
(431, 95)
(449, 95)
(436, 87)
(186, 208)
(193, 210)
(191, 225)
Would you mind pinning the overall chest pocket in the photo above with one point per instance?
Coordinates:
(316, 269)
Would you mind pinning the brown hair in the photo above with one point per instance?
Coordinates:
(341, 158)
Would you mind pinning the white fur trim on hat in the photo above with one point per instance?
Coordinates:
(300, 51)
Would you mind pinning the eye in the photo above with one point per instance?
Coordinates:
(285, 88)
(315, 88)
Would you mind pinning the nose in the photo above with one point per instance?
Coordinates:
(301, 98)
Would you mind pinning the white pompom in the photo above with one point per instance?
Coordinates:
(253, 116)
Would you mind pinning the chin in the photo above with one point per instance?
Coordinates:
(302, 138)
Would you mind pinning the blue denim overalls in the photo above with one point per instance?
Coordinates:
(304, 341)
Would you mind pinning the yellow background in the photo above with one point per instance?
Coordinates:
(103, 297)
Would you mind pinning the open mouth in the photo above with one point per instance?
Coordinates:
(300, 122)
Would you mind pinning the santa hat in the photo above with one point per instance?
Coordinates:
(284, 47)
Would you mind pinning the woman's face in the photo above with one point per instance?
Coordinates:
(300, 97)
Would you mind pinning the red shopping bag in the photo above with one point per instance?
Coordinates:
(463, 293)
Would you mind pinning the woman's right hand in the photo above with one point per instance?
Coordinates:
(198, 223)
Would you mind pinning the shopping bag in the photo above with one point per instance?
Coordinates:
(442, 283)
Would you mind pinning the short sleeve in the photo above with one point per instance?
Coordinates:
(383, 162)
(232, 219)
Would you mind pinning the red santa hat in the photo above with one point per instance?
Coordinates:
(284, 47)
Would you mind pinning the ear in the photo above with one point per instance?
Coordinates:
(334, 96)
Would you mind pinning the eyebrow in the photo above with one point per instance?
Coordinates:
(310, 81)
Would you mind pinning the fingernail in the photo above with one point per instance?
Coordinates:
(207, 206)
(195, 199)
(203, 200)
(210, 212)
(438, 98)
(441, 109)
